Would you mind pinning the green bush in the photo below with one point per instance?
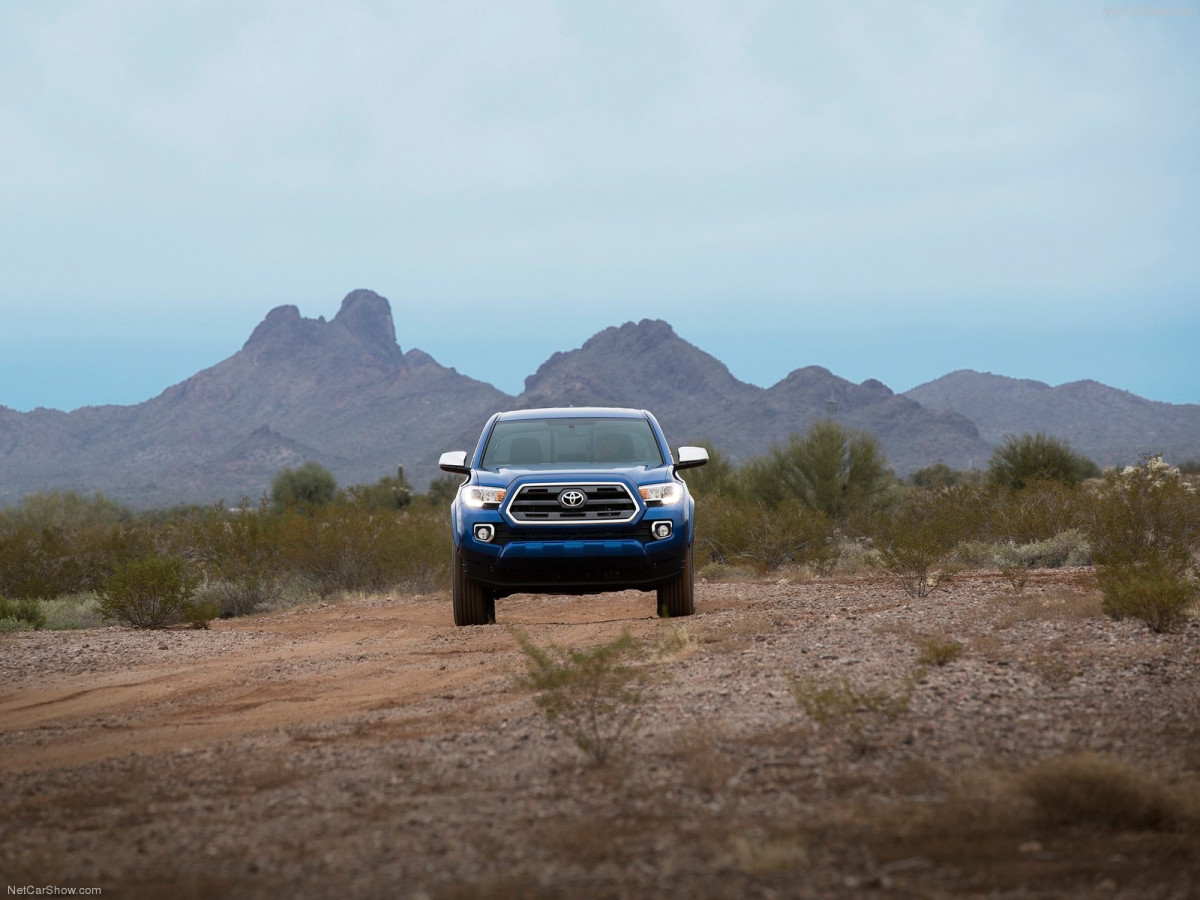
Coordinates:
(389, 492)
(916, 540)
(719, 477)
(1038, 512)
(306, 486)
(743, 532)
(940, 475)
(25, 614)
(46, 557)
(1145, 530)
(199, 612)
(237, 553)
(832, 470)
(442, 491)
(72, 611)
(1153, 594)
(1021, 460)
(347, 547)
(150, 592)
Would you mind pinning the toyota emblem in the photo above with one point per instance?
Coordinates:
(572, 498)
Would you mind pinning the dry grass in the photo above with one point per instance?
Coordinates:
(701, 752)
(1062, 604)
(1070, 825)
(1085, 788)
(938, 650)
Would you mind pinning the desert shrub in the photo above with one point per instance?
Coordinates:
(389, 492)
(1145, 529)
(938, 650)
(425, 564)
(1153, 594)
(838, 704)
(349, 547)
(917, 538)
(1084, 788)
(855, 555)
(1067, 548)
(831, 469)
(68, 510)
(25, 614)
(591, 696)
(442, 491)
(200, 611)
(1145, 513)
(306, 486)
(940, 475)
(744, 532)
(236, 551)
(1021, 460)
(72, 611)
(241, 595)
(1037, 512)
(56, 544)
(719, 477)
(150, 592)
(968, 504)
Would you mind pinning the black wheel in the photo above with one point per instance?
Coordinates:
(678, 596)
(473, 603)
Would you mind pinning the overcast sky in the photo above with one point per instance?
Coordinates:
(889, 190)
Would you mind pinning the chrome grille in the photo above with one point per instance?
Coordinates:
(606, 503)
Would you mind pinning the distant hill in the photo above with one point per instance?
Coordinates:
(1110, 426)
(344, 394)
(695, 398)
(340, 392)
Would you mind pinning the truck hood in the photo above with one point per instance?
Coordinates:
(507, 475)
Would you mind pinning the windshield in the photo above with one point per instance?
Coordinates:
(550, 443)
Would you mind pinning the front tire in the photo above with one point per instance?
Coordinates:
(473, 603)
(678, 596)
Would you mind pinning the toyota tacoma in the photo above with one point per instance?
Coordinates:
(571, 501)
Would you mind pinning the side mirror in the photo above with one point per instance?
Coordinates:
(454, 461)
(690, 457)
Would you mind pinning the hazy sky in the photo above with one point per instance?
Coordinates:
(889, 190)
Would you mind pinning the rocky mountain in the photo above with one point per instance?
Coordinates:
(1110, 426)
(343, 393)
(695, 397)
(340, 392)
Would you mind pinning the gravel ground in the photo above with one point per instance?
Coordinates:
(820, 738)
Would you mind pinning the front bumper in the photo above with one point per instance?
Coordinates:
(578, 560)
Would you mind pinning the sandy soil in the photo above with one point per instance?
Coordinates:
(813, 739)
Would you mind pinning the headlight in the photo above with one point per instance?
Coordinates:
(479, 497)
(669, 492)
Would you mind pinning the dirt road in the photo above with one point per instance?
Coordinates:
(794, 740)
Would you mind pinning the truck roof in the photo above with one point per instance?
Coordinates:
(574, 412)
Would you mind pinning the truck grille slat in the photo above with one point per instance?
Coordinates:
(538, 504)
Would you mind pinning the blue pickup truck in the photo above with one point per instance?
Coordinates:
(571, 501)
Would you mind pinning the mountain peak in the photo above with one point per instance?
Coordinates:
(278, 323)
(362, 328)
(640, 336)
(368, 317)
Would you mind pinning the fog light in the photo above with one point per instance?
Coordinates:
(484, 533)
(660, 530)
